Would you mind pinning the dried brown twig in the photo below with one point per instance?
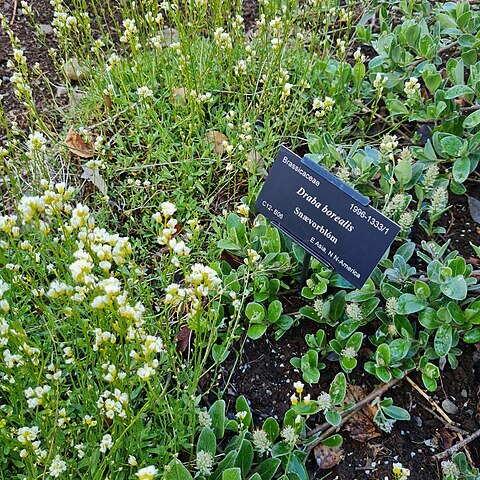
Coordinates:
(462, 444)
(442, 413)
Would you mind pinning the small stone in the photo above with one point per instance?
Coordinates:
(268, 392)
(61, 92)
(46, 28)
(171, 36)
(464, 393)
(449, 407)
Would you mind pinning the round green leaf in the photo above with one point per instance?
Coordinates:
(333, 441)
(333, 418)
(256, 330)
(455, 288)
(443, 340)
(408, 303)
(472, 120)
(255, 312)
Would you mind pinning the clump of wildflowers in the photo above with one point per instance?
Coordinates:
(354, 311)
(323, 107)
(450, 470)
(412, 87)
(379, 83)
(400, 472)
(388, 145)
(261, 442)
(223, 39)
(204, 463)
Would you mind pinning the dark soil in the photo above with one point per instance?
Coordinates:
(35, 53)
(461, 228)
(265, 376)
(264, 373)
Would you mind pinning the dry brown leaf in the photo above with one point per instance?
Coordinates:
(361, 426)
(74, 70)
(256, 164)
(108, 101)
(231, 259)
(94, 177)
(178, 96)
(327, 457)
(216, 139)
(474, 207)
(444, 438)
(77, 145)
(183, 339)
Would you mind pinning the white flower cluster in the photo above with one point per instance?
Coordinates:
(397, 204)
(144, 93)
(387, 146)
(450, 470)
(106, 443)
(323, 107)
(289, 435)
(201, 282)
(379, 82)
(199, 97)
(222, 39)
(324, 401)
(4, 305)
(57, 467)
(131, 31)
(412, 87)
(35, 396)
(62, 21)
(354, 311)
(166, 237)
(400, 472)
(261, 442)
(429, 177)
(391, 306)
(359, 56)
(439, 200)
(28, 438)
(36, 143)
(112, 404)
(26, 8)
(204, 463)
(21, 86)
(147, 473)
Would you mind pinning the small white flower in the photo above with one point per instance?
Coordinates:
(106, 443)
(168, 209)
(57, 467)
(144, 92)
(147, 473)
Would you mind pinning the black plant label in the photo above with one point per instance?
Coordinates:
(326, 217)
